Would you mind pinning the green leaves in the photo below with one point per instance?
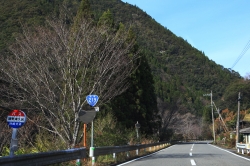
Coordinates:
(232, 91)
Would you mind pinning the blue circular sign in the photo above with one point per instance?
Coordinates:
(16, 118)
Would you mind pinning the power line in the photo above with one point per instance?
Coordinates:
(242, 53)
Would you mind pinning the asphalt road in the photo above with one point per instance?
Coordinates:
(191, 155)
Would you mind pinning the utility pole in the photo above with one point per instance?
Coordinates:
(238, 121)
(212, 114)
(220, 117)
(211, 94)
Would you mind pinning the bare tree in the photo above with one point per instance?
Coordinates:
(53, 69)
(187, 125)
(247, 76)
(5, 131)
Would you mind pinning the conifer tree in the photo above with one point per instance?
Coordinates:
(138, 103)
(106, 20)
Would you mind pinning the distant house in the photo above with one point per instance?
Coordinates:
(246, 135)
(246, 131)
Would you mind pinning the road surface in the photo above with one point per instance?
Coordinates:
(193, 154)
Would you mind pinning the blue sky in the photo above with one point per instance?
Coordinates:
(219, 28)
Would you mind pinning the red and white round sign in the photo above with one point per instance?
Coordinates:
(16, 118)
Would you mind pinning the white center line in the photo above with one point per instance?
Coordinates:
(192, 162)
(190, 154)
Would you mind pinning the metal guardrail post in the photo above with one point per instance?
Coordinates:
(92, 154)
(128, 154)
(114, 156)
(78, 162)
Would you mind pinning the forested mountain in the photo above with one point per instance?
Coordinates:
(181, 73)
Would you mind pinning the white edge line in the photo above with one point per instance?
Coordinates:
(192, 162)
(231, 152)
(143, 156)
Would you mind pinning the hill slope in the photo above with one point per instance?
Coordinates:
(174, 62)
(182, 73)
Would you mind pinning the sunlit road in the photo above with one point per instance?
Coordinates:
(190, 155)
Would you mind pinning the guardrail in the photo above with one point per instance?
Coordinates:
(45, 158)
(53, 157)
(243, 147)
(97, 151)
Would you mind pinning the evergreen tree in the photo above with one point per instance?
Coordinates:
(106, 20)
(84, 9)
(138, 103)
(206, 116)
(83, 13)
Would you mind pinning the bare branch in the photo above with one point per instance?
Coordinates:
(52, 71)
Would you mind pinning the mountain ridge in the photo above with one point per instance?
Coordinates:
(182, 73)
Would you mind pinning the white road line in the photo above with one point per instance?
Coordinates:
(192, 162)
(144, 156)
(192, 147)
(231, 152)
(190, 154)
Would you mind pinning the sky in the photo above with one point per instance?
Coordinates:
(219, 28)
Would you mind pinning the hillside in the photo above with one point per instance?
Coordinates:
(181, 73)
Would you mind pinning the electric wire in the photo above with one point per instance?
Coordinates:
(242, 53)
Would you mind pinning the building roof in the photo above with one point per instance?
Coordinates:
(246, 118)
(245, 130)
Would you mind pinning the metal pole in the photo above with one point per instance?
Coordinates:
(137, 126)
(92, 134)
(85, 135)
(13, 138)
(212, 114)
(92, 140)
(238, 119)
(137, 134)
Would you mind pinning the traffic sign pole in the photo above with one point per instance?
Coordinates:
(13, 144)
(15, 119)
(92, 100)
